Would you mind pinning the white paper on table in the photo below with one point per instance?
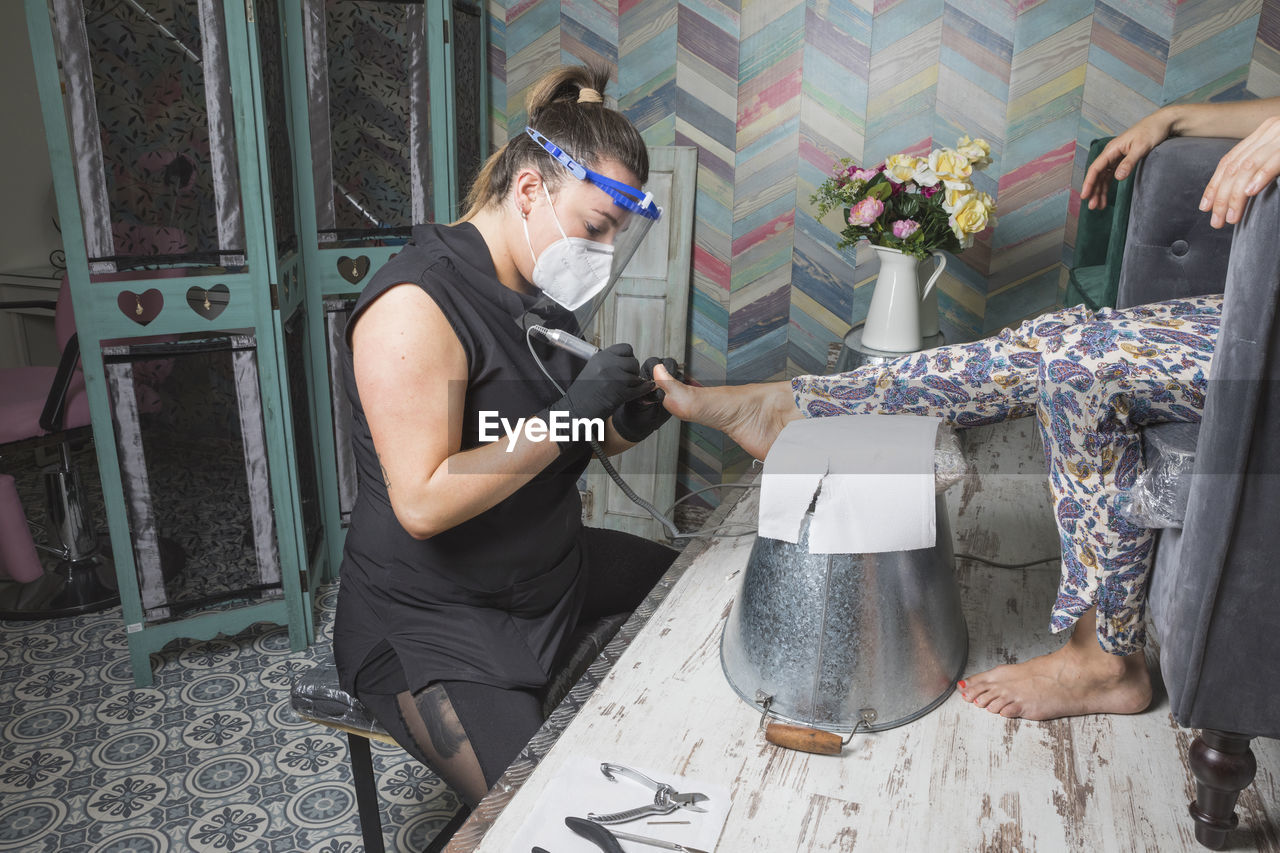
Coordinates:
(873, 476)
(579, 787)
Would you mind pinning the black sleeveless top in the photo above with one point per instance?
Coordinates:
(491, 599)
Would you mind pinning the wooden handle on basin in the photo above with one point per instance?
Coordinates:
(803, 739)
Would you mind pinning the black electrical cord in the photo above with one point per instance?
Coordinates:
(672, 531)
(711, 488)
(985, 561)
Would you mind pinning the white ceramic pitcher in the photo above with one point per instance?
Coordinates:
(895, 318)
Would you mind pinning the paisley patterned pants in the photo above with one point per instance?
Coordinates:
(1091, 379)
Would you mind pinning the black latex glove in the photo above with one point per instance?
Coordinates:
(637, 419)
(610, 378)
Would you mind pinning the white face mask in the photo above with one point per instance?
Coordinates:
(572, 269)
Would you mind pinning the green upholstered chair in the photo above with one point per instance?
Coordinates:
(1095, 269)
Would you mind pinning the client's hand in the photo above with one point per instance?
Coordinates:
(752, 415)
(1121, 155)
(1243, 172)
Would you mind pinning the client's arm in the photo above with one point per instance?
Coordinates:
(1249, 165)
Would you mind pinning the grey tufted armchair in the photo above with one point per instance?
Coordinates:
(1215, 593)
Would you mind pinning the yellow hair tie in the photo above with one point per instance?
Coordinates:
(588, 95)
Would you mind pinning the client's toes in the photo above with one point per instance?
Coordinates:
(1011, 710)
(678, 398)
(982, 696)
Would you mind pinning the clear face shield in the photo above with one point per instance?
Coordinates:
(625, 245)
(638, 213)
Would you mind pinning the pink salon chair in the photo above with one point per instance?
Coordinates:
(47, 408)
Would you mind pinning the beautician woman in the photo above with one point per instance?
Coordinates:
(467, 567)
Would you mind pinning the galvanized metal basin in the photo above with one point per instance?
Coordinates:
(842, 639)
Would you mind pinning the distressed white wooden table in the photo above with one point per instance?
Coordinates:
(958, 779)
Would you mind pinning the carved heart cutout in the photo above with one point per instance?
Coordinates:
(209, 303)
(353, 269)
(141, 308)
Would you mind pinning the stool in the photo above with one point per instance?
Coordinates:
(316, 696)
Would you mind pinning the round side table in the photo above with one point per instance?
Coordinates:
(853, 354)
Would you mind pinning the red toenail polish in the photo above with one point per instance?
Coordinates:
(961, 683)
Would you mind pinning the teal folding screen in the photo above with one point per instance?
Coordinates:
(389, 109)
(221, 170)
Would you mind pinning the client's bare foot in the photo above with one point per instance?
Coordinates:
(752, 415)
(1079, 678)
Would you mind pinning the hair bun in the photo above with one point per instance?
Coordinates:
(555, 106)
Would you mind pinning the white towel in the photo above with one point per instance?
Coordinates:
(874, 480)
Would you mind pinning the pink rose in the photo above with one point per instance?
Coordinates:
(862, 174)
(904, 228)
(930, 192)
(866, 211)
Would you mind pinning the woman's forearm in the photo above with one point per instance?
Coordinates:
(470, 482)
(1234, 119)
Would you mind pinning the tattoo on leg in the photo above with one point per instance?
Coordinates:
(443, 726)
(437, 734)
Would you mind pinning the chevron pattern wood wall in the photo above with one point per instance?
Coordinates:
(773, 91)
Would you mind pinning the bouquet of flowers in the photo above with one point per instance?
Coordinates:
(917, 205)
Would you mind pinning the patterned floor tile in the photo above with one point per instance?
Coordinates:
(211, 758)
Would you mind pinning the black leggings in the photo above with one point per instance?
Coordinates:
(468, 733)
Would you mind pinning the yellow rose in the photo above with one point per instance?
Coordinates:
(901, 167)
(956, 194)
(978, 151)
(972, 215)
(949, 164)
(924, 176)
(990, 204)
